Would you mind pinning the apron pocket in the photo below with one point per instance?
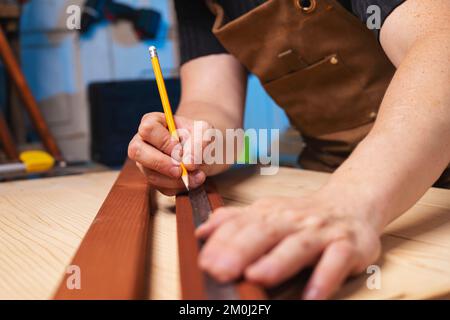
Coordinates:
(323, 98)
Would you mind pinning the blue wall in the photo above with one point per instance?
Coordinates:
(56, 61)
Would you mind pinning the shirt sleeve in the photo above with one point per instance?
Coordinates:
(195, 22)
(360, 8)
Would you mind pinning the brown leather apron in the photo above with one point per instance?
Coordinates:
(319, 63)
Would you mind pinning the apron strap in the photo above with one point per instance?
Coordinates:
(217, 10)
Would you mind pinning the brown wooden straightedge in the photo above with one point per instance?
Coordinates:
(114, 253)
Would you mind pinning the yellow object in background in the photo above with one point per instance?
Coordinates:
(37, 161)
(32, 162)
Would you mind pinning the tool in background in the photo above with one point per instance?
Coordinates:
(6, 140)
(14, 71)
(145, 21)
(166, 106)
(32, 162)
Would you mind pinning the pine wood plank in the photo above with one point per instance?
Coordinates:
(114, 252)
(42, 223)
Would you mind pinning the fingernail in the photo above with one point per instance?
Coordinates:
(200, 230)
(176, 162)
(204, 260)
(224, 268)
(175, 172)
(259, 270)
(177, 153)
(198, 177)
(311, 294)
(223, 263)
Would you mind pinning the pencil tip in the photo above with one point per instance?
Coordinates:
(185, 181)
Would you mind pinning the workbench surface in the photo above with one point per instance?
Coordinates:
(42, 222)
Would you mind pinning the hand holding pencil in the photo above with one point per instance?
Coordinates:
(166, 106)
(154, 144)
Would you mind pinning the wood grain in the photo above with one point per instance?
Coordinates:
(113, 255)
(192, 278)
(43, 221)
(164, 271)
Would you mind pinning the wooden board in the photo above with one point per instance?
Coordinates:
(42, 223)
(415, 262)
(114, 253)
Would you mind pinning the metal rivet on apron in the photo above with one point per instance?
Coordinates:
(373, 115)
(306, 6)
(334, 60)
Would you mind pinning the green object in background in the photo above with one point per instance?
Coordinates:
(244, 158)
(247, 149)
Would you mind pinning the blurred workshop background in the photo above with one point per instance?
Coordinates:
(92, 86)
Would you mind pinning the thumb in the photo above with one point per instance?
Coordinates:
(191, 154)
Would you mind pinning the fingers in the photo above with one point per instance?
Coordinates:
(216, 219)
(194, 144)
(236, 244)
(161, 181)
(171, 186)
(334, 266)
(153, 130)
(153, 159)
(196, 178)
(159, 154)
(275, 238)
(285, 260)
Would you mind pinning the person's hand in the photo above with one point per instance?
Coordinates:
(158, 154)
(273, 239)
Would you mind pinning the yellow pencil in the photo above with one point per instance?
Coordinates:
(166, 106)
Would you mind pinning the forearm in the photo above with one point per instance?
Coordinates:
(214, 94)
(219, 118)
(211, 112)
(409, 146)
